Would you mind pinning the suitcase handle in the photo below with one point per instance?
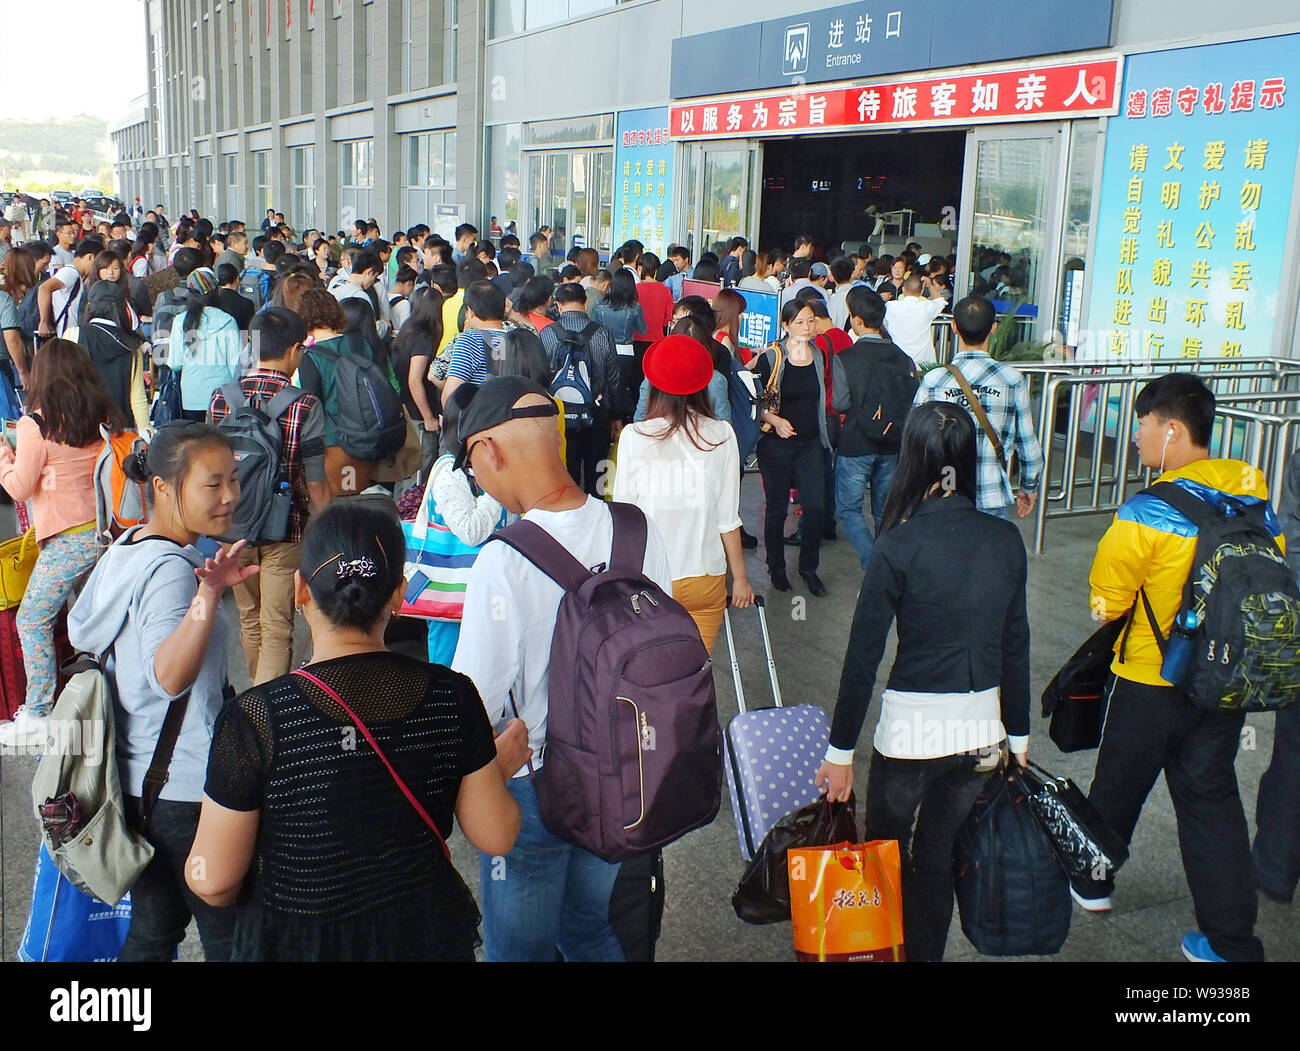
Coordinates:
(767, 646)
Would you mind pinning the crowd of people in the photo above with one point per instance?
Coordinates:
(507, 384)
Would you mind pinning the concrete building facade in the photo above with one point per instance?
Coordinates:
(681, 121)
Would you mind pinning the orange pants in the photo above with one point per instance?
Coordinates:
(705, 599)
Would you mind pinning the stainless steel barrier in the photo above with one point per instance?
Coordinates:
(1089, 467)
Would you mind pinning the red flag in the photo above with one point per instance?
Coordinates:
(268, 19)
(288, 14)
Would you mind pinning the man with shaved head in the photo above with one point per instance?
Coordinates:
(546, 894)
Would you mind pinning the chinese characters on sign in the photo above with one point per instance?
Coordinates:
(1195, 202)
(1078, 89)
(643, 178)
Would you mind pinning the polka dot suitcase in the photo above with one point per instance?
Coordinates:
(771, 754)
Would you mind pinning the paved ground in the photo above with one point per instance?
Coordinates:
(1152, 904)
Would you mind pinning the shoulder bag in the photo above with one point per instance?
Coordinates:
(1004, 461)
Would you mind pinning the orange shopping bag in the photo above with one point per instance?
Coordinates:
(846, 902)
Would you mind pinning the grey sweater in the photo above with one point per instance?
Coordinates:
(135, 598)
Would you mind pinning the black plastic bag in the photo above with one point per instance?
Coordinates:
(763, 895)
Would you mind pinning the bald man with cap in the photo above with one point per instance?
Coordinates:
(546, 894)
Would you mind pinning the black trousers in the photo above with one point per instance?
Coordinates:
(1277, 811)
(785, 464)
(161, 903)
(586, 454)
(1153, 728)
(922, 803)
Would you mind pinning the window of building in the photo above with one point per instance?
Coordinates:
(304, 188)
(515, 16)
(428, 174)
(262, 182)
(357, 179)
(451, 20)
(501, 165)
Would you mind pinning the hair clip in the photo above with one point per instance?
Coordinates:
(357, 567)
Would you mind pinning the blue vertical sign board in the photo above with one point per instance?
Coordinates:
(761, 321)
(1195, 202)
(643, 179)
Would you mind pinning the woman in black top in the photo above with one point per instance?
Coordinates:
(339, 862)
(790, 452)
(954, 579)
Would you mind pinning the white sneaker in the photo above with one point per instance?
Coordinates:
(1091, 904)
(27, 733)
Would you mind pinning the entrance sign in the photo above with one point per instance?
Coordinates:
(1195, 202)
(1044, 92)
(874, 37)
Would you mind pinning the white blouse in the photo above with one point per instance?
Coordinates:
(691, 494)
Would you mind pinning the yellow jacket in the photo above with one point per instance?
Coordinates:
(1150, 545)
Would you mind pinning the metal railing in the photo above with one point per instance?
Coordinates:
(1085, 426)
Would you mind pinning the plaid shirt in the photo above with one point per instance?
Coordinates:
(303, 427)
(1005, 398)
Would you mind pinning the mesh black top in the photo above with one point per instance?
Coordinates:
(345, 868)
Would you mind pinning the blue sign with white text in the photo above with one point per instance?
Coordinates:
(872, 37)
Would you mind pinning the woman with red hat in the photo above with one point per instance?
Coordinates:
(681, 466)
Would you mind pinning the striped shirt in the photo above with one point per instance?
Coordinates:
(1002, 392)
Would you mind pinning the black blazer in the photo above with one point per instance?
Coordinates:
(954, 578)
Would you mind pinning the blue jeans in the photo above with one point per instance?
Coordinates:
(545, 895)
(852, 476)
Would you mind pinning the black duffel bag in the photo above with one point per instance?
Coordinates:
(1013, 896)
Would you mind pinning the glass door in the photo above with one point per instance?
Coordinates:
(572, 192)
(1009, 233)
(718, 193)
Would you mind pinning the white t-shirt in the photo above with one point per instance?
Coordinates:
(691, 494)
(908, 321)
(70, 278)
(140, 268)
(510, 611)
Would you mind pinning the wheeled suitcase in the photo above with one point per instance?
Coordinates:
(13, 671)
(771, 754)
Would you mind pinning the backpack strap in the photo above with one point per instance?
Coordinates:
(233, 392)
(158, 773)
(282, 401)
(545, 552)
(1199, 512)
(1161, 641)
(630, 535)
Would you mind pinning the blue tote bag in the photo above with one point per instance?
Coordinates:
(68, 926)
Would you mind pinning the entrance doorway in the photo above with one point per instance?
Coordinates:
(884, 190)
(572, 192)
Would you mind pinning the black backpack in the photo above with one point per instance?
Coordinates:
(370, 424)
(253, 430)
(1012, 892)
(1235, 642)
(29, 314)
(572, 382)
(888, 398)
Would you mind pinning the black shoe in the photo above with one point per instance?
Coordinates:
(747, 540)
(794, 540)
(780, 582)
(830, 535)
(815, 585)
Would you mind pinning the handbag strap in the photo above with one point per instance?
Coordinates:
(410, 796)
(980, 415)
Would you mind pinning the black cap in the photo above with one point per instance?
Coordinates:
(493, 404)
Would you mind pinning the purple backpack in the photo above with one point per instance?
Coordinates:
(633, 746)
